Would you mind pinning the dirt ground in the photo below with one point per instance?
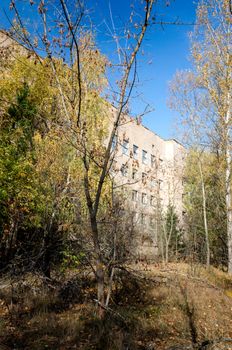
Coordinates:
(153, 307)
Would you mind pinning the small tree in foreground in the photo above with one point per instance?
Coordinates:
(171, 235)
(79, 85)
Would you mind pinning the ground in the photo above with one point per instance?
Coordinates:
(174, 306)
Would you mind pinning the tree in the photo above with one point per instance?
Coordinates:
(209, 110)
(214, 67)
(16, 165)
(171, 233)
(21, 118)
(80, 83)
(28, 220)
(204, 203)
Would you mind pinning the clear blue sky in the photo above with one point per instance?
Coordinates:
(166, 50)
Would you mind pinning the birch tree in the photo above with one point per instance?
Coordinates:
(211, 53)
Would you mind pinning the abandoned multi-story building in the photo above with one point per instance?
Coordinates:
(149, 171)
(146, 169)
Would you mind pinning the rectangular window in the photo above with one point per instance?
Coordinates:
(144, 198)
(160, 184)
(152, 221)
(134, 196)
(152, 201)
(125, 147)
(143, 219)
(144, 157)
(135, 152)
(153, 182)
(152, 161)
(124, 170)
(134, 173)
(144, 177)
(134, 217)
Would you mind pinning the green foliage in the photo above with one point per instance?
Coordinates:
(202, 97)
(213, 176)
(18, 192)
(176, 235)
(42, 197)
(26, 201)
(72, 260)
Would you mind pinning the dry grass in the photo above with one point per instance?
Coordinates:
(160, 306)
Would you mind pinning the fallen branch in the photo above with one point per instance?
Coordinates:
(107, 308)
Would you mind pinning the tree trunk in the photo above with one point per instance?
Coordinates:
(176, 247)
(99, 269)
(228, 186)
(228, 208)
(110, 283)
(46, 265)
(166, 251)
(229, 234)
(205, 216)
(100, 276)
(162, 248)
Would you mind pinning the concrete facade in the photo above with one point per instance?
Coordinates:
(149, 171)
(9, 49)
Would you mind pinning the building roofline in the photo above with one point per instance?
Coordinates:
(176, 141)
(10, 36)
(132, 118)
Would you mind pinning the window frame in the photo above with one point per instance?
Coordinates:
(135, 196)
(153, 182)
(144, 177)
(125, 147)
(144, 198)
(124, 170)
(144, 157)
(135, 151)
(152, 222)
(153, 158)
(152, 199)
(143, 219)
(133, 174)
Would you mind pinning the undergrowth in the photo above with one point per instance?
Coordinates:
(146, 312)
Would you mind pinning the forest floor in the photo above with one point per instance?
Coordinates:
(153, 307)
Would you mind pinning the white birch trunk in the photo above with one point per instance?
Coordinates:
(205, 215)
(228, 186)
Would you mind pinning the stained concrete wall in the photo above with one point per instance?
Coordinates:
(156, 184)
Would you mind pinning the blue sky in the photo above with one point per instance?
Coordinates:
(166, 50)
